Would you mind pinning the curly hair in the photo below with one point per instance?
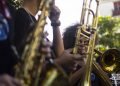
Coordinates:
(69, 36)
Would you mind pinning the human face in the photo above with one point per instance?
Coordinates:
(83, 45)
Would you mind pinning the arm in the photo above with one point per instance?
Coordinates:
(67, 59)
(6, 80)
(75, 77)
(104, 79)
(57, 39)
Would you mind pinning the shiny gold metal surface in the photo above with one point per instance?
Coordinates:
(82, 31)
(110, 61)
(30, 67)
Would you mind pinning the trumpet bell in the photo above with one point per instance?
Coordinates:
(110, 60)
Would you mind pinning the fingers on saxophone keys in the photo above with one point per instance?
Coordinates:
(46, 48)
(45, 42)
(46, 51)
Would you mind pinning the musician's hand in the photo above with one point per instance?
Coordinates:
(46, 48)
(6, 80)
(74, 77)
(68, 59)
(54, 15)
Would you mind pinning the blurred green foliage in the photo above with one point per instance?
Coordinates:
(109, 33)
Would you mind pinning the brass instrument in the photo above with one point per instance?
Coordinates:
(54, 75)
(91, 32)
(29, 69)
(90, 51)
(110, 60)
(86, 81)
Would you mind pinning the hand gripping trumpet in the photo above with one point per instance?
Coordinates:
(89, 33)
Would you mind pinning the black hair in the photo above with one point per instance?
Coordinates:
(69, 36)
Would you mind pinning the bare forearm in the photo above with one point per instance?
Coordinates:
(57, 41)
(59, 61)
(55, 23)
(76, 76)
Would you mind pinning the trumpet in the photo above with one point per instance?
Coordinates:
(89, 33)
(88, 67)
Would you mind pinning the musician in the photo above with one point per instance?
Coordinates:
(24, 20)
(24, 23)
(6, 80)
(69, 38)
(8, 58)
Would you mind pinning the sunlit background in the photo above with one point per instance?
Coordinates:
(70, 14)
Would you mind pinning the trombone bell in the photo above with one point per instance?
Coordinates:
(110, 60)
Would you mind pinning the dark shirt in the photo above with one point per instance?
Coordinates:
(95, 80)
(11, 23)
(24, 23)
(7, 56)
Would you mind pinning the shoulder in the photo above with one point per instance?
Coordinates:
(12, 10)
(21, 10)
(21, 13)
(21, 16)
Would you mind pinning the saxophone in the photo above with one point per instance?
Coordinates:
(29, 70)
(30, 67)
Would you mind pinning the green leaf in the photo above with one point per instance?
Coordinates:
(109, 32)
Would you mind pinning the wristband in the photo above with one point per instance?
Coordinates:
(55, 24)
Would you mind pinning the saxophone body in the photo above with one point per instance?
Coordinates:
(30, 67)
